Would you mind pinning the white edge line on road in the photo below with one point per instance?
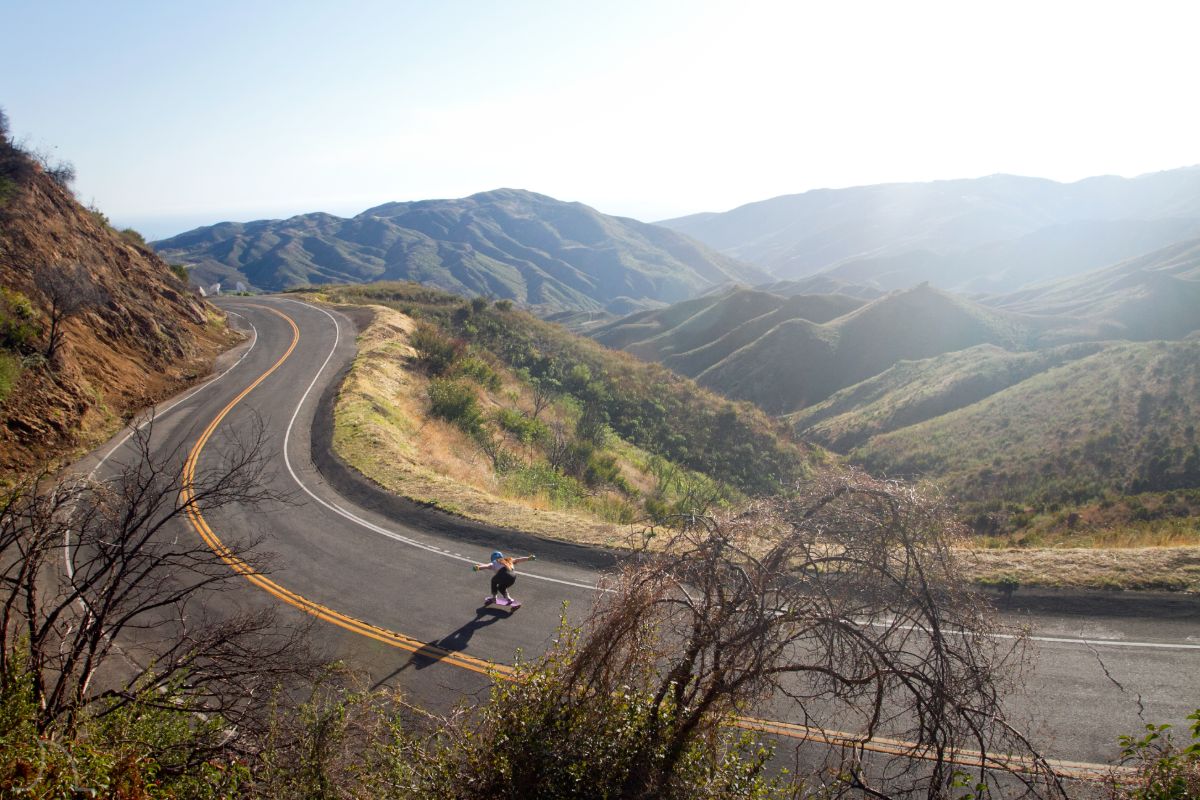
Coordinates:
(454, 556)
(158, 413)
(1065, 639)
(350, 515)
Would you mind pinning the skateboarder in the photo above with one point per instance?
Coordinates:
(503, 579)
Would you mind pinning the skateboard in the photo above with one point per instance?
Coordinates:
(500, 601)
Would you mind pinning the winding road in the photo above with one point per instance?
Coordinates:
(387, 585)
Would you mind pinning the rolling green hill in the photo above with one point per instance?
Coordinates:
(537, 251)
(911, 392)
(1123, 418)
(693, 336)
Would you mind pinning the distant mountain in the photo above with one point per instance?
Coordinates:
(1156, 296)
(510, 244)
(784, 353)
(683, 335)
(821, 284)
(991, 234)
(1062, 393)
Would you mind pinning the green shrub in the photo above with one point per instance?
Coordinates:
(526, 429)
(10, 370)
(133, 237)
(541, 479)
(1164, 770)
(544, 735)
(144, 749)
(456, 403)
(602, 469)
(99, 217)
(18, 321)
(436, 352)
(474, 367)
(180, 272)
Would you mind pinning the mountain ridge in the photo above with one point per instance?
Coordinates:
(995, 233)
(506, 243)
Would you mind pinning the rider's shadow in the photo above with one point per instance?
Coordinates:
(453, 642)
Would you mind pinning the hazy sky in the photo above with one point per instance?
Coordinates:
(179, 114)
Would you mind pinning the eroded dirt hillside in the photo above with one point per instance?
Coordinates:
(140, 337)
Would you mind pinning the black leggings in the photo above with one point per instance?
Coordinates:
(501, 581)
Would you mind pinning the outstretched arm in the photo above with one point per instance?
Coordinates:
(484, 565)
(524, 558)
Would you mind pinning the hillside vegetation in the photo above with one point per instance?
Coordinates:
(1123, 418)
(509, 244)
(910, 392)
(992, 234)
(93, 325)
(448, 394)
(1056, 415)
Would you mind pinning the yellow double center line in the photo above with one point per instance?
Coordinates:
(399, 640)
(188, 498)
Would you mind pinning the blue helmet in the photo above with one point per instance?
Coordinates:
(497, 555)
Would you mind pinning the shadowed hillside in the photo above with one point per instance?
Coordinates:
(797, 363)
(689, 337)
(1156, 296)
(510, 244)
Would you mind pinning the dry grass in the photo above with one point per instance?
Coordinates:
(1147, 568)
(381, 429)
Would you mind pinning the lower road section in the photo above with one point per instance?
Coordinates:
(388, 586)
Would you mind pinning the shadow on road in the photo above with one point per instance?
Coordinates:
(454, 642)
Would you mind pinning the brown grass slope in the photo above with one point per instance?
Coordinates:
(1123, 419)
(144, 341)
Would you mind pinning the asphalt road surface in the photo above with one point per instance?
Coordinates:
(388, 586)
